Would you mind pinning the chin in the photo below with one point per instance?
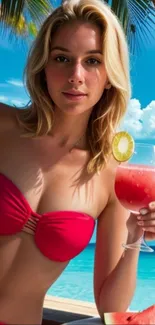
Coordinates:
(72, 113)
(76, 111)
(72, 109)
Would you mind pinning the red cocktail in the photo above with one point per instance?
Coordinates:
(135, 184)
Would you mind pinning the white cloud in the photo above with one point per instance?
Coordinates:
(149, 119)
(18, 102)
(15, 82)
(138, 121)
(3, 99)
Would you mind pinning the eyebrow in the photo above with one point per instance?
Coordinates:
(60, 48)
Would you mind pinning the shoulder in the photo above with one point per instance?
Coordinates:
(106, 186)
(7, 117)
(6, 111)
(108, 175)
(113, 207)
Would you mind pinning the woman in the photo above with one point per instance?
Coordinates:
(56, 169)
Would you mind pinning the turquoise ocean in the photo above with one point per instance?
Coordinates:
(76, 282)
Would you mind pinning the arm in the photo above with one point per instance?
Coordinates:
(115, 270)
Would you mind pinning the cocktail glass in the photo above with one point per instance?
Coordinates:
(135, 185)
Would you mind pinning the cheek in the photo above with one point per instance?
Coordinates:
(98, 81)
(53, 77)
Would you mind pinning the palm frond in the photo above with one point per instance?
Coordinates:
(23, 17)
(38, 9)
(11, 9)
(138, 20)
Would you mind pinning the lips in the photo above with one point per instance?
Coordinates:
(74, 93)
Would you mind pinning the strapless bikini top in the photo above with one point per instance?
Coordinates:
(59, 235)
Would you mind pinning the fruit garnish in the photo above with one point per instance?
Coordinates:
(123, 146)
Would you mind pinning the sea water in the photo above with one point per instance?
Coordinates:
(76, 282)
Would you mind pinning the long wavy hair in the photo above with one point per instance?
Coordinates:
(37, 119)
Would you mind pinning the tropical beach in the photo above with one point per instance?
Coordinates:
(71, 297)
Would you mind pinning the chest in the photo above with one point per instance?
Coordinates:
(50, 179)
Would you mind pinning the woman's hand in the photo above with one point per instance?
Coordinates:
(143, 223)
(146, 221)
(134, 230)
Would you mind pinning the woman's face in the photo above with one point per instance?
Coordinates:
(75, 73)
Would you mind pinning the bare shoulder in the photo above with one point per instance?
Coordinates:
(108, 175)
(113, 207)
(7, 117)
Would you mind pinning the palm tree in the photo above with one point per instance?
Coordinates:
(137, 17)
(138, 20)
(23, 17)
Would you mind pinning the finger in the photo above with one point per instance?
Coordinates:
(149, 229)
(144, 211)
(146, 223)
(148, 216)
(149, 235)
(152, 206)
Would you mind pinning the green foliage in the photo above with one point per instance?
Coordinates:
(138, 20)
(23, 17)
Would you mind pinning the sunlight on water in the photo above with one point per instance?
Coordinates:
(77, 280)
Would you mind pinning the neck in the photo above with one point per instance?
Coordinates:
(70, 131)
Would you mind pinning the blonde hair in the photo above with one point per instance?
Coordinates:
(37, 119)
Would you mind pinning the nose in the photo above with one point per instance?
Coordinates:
(77, 75)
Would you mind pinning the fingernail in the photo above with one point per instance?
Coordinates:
(152, 205)
(144, 211)
(140, 223)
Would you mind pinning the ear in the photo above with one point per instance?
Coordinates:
(108, 85)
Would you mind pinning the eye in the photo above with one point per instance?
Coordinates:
(61, 58)
(93, 61)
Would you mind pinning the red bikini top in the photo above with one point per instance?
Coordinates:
(59, 235)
